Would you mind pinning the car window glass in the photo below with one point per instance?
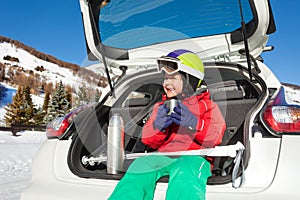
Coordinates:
(131, 24)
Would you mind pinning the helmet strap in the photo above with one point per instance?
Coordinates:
(187, 89)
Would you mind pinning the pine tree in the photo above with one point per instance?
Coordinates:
(2, 72)
(63, 99)
(97, 95)
(15, 111)
(21, 110)
(28, 106)
(59, 104)
(46, 102)
(40, 113)
(51, 111)
(82, 96)
(39, 116)
(69, 99)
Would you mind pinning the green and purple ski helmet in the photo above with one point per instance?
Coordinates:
(190, 63)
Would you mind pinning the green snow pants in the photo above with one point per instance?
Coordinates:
(188, 178)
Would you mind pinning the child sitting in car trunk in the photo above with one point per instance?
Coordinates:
(195, 123)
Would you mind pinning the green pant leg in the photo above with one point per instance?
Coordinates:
(139, 182)
(188, 178)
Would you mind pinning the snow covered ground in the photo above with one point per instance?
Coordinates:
(16, 156)
(16, 153)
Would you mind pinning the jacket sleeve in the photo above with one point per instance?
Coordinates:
(151, 136)
(211, 125)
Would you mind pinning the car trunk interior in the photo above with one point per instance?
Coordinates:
(232, 91)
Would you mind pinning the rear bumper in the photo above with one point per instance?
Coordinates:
(52, 178)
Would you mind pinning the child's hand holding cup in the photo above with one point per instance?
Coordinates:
(171, 104)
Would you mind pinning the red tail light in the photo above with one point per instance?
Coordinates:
(281, 117)
(57, 127)
(60, 125)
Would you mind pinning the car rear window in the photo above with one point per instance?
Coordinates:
(130, 24)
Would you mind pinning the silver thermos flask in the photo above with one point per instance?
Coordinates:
(115, 144)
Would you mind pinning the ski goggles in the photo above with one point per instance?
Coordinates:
(172, 65)
(169, 65)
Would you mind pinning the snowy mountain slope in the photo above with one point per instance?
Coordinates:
(44, 69)
(97, 68)
(13, 57)
(53, 73)
(293, 93)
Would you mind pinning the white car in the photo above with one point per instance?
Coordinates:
(258, 158)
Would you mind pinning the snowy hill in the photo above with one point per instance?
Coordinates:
(293, 93)
(20, 63)
(27, 62)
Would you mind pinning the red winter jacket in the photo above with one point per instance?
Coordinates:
(209, 130)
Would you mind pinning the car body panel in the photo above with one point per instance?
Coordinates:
(47, 183)
(285, 183)
(267, 75)
(287, 169)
